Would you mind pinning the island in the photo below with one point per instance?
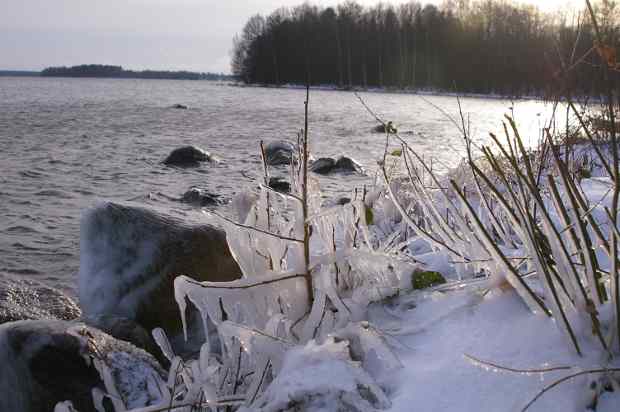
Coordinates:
(108, 71)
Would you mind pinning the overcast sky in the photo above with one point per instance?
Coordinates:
(136, 34)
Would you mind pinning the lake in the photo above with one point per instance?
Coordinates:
(67, 143)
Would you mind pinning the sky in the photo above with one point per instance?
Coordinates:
(191, 35)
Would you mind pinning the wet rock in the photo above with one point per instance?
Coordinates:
(343, 201)
(327, 165)
(279, 184)
(347, 165)
(129, 257)
(187, 156)
(46, 362)
(279, 153)
(323, 165)
(383, 128)
(180, 106)
(22, 299)
(200, 197)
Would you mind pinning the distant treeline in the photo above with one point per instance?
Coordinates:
(99, 70)
(489, 46)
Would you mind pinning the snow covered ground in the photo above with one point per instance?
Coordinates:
(437, 330)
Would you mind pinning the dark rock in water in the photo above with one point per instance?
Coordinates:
(279, 153)
(323, 165)
(200, 197)
(187, 156)
(179, 106)
(22, 299)
(280, 185)
(343, 201)
(45, 362)
(129, 257)
(327, 165)
(386, 127)
(345, 164)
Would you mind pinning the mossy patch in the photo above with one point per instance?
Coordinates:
(426, 278)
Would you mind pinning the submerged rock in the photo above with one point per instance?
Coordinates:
(46, 362)
(129, 257)
(327, 165)
(23, 299)
(187, 156)
(279, 153)
(200, 197)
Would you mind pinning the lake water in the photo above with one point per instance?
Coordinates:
(67, 143)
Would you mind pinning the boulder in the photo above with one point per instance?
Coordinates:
(327, 165)
(347, 165)
(45, 362)
(382, 128)
(187, 156)
(22, 299)
(279, 153)
(280, 185)
(129, 257)
(200, 197)
(323, 165)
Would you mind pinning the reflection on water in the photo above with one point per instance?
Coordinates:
(66, 143)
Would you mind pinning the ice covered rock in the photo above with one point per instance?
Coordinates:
(46, 362)
(187, 156)
(321, 377)
(22, 299)
(129, 257)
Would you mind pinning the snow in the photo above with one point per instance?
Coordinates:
(437, 329)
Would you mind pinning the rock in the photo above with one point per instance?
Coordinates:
(129, 331)
(280, 185)
(200, 197)
(323, 165)
(22, 299)
(179, 106)
(347, 165)
(279, 153)
(327, 165)
(46, 362)
(341, 201)
(129, 257)
(187, 156)
(382, 128)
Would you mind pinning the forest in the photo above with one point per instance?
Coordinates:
(489, 46)
(99, 70)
